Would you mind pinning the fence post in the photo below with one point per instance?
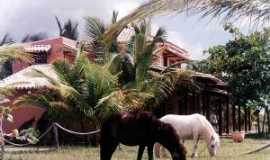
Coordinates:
(2, 151)
(56, 137)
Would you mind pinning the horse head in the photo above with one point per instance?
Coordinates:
(213, 144)
(168, 137)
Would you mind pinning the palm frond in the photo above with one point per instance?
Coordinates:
(257, 10)
(160, 35)
(125, 100)
(162, 86)
(40, 100)
(34, 37)
(12, 52)
(94, 28)
(6, 40)
(122, 65)
(59, 24)
(114, 17)
(70, 30)
(64, 89)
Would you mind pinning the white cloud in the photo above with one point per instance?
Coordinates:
(195, 49)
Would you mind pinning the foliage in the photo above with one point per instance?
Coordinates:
(261, 107)
(243, 63)
(95, 29)
(256, 10)
(6, 39)
(11, 52)
(34, 37)
(69, 29)
(134, 62)
(77, 91)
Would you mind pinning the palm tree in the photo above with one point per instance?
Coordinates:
(95, 29)
(34, 37)
(134, 64)
(15, 51)
(69, 29)
(8, 53)
(6, 39)
(78, 90)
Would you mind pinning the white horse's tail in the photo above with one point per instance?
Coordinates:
(157, 150)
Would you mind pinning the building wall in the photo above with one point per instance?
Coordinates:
(23, 114)
(56, 53)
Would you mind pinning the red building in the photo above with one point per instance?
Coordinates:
(47, 51)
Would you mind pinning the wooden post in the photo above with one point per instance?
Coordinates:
(2, 137)
(245, 119)
(56, 136)
(2, 151)
(186, 104)
(249, 119)
(203, 104)
(234, 118)
(199, 109)
(220, 126)
(207, 107)
(239, 118)
(193, 109)
(227, 115)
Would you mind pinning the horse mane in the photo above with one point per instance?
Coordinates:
(209, 127)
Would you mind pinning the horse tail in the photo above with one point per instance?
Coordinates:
(157, 150)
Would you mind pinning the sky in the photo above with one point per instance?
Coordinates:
(19, 17)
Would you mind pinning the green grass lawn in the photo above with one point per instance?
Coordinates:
(228, 151)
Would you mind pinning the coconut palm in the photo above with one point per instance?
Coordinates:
(69, 29)
(78, 89)
(10, 52)
(95, 28)
(6, 39)
(134, 62)
(34, 37)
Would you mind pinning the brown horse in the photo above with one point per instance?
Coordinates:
(138, 128)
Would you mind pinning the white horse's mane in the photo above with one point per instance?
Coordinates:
(209, 128)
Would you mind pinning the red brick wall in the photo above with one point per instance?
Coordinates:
(23, 114)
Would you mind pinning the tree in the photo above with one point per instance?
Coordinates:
(243, 63)
(95, 29)
(6, 39)
(34, 37)
(133, 63)
(10, 54)
(68, 30)
(75, 95)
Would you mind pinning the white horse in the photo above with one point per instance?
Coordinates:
(194, 126)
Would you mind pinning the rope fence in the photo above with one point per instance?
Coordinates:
(54, 127)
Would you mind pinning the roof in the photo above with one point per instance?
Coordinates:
(37, 48)
(69, 43)
(172, 48)
(24, 80)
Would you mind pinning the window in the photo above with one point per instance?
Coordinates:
(40, 58)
